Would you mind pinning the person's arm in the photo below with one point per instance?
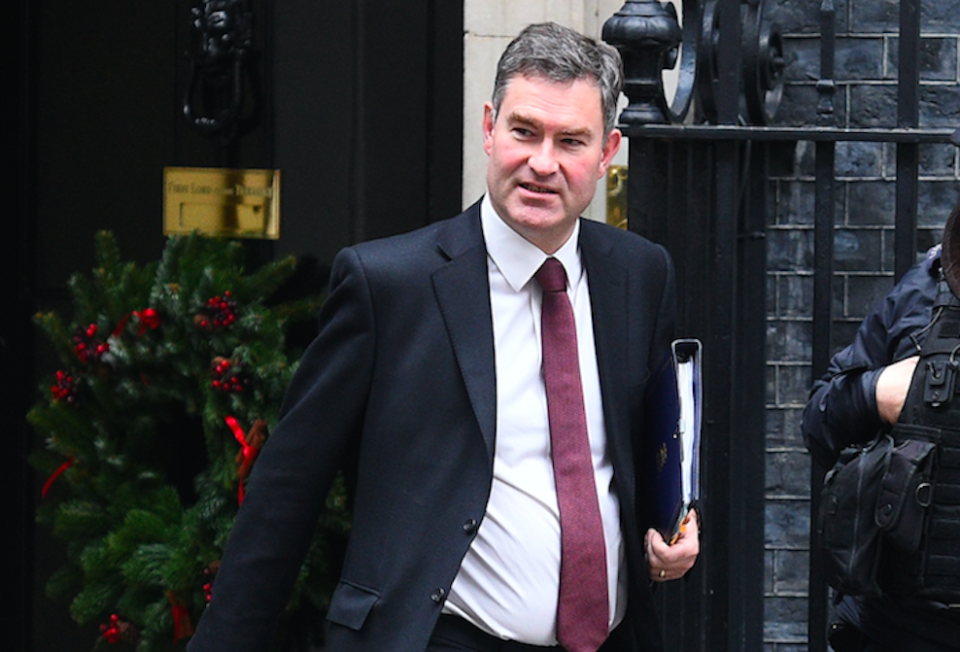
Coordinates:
(842, 410)
(319, 424)
(860, 394)
(893, 383)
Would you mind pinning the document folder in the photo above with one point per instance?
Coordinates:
(672, 458)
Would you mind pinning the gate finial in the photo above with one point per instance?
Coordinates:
(647, 34)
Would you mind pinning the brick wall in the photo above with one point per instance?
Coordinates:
(866, 71)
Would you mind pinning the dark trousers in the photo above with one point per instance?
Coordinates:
(453, 634)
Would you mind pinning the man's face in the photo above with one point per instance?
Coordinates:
(547, 151)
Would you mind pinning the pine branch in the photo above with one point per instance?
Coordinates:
(141, 459)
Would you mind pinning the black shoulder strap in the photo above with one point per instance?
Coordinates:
(935, 379)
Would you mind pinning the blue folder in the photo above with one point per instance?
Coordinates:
(671, 456)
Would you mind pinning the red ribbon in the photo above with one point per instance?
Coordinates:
(147, 317)
(56, 474)
(182, 626)
(249, 452)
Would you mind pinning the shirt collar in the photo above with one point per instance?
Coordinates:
(516, 257)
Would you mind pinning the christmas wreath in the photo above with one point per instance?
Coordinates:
(171, 379)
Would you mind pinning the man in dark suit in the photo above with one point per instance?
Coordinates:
(426, 375)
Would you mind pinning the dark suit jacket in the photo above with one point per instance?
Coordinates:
(402, 379)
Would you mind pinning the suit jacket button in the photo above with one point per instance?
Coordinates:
(438, 595)
(470, 526)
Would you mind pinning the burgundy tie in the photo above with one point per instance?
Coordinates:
(583, 608)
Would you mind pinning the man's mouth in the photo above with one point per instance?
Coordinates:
(538, 189)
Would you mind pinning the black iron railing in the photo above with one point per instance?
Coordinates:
(697, 182)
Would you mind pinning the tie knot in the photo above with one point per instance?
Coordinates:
(551, 276)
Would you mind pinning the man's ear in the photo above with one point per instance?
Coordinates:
(610, 148)
(489, 118)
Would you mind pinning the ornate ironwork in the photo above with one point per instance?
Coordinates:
(652, 40)
(761, 57)
(762, 64)
(648, 36)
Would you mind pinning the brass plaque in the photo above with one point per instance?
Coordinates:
(222, 202)
(617, 195)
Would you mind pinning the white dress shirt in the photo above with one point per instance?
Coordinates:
(509, 579)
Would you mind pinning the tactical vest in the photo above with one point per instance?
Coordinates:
(925, 560)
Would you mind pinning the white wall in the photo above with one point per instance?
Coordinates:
(488, 26)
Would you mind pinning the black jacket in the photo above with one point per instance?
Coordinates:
(402, 380)
(842, 410)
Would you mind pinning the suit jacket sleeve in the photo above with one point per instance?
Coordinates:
(319, 423)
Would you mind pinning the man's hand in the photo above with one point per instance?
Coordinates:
(892, 386)
(670, 562)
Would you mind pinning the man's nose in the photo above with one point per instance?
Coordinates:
(543, 161)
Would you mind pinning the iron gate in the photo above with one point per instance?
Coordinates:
(698, 169)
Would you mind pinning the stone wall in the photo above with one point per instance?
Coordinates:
(866, 71)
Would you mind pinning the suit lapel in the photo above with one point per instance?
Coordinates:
(462, 289)
(463, 294)
(609, 302)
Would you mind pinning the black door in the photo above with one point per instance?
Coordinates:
(357, 103)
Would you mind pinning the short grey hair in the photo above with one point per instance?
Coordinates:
(562, 55)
